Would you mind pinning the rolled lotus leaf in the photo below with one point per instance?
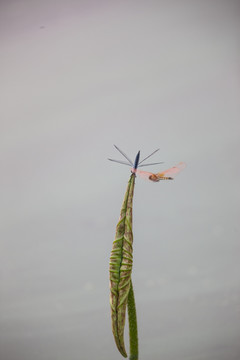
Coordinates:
(121, 268)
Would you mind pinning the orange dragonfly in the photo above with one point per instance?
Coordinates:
(168, 174)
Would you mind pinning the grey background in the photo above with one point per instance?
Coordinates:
(77, 77)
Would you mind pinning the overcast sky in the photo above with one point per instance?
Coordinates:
(76, 78)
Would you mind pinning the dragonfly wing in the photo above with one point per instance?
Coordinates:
(123, 154)
(121, 162)
(172, 171)
(148, 156)
(156, 163)
(167, 173)
(143, 174)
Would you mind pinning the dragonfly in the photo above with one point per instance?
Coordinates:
(168, 174)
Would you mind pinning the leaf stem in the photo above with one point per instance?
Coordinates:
(132, 320)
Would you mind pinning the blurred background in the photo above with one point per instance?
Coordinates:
(76, 78)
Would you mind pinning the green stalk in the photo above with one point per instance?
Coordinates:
(132, 320)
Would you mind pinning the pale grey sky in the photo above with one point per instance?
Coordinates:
(76, 78)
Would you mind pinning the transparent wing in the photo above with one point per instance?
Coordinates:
(123, 154)
(172, 171)
(161, 162)
(148, 156)
(121, 162)
(143, 174)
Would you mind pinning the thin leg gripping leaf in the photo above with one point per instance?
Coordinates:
(121, 268)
